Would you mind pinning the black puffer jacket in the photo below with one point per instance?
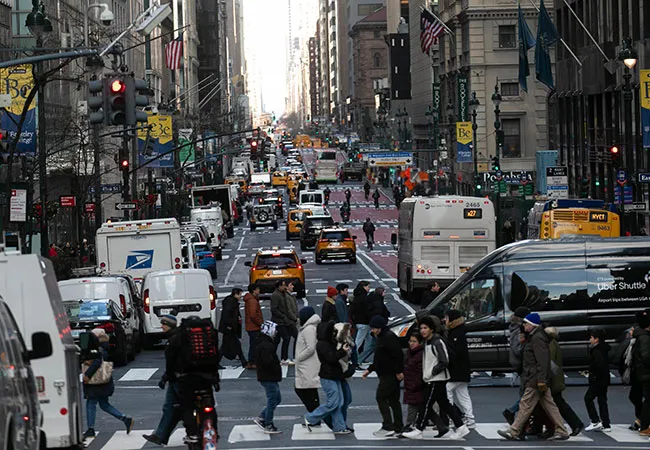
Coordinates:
(389, 359)
(266, 360)
(641, 355)
(328, 355)
(457, 339)
(376, 306)
(599, 364)
(536, 359)
(360, 308)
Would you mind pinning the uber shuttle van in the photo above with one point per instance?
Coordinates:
(28, 286)
(574, 283)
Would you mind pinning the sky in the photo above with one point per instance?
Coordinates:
(265, 41)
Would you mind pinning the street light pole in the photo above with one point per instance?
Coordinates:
(452, 130)
(473, 106)
(496, 99)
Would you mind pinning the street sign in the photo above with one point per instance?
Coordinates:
(114, 188)
(68, 201)
(644, 177)
(621, 176)
(385, 159)
(557, 182)
(127, 206)
(636, 206)
(89, 207)
(18, 205)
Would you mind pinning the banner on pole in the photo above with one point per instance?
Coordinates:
(156, 141)
(644, 78)
(464, 137)
(187, 152)
(18, 81)
(463, 97)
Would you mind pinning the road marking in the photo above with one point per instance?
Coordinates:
(372, 274)
(138, 375)
(405, 305)
(231, 373)
(301, 433)
(320, 291)
(247, 433)
(122, 441)
(389, 280)
(620, 433)
(359, 374)
(241, 242)
(234, 264)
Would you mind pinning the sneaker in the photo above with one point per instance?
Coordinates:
(577, 430)
(344, 431)
(347, 428)
(260, 422)
(381, 433)
(507, 434)
(153, 439)
(636, 426)
(90, 433)
(594, 426)
(445, 432)
(606, 429)
(461, 432)
(191, 439)
(414, 434)
(509, 416)
(270, 429)
(129, 422)
(559, 437)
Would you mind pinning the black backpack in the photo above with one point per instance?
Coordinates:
(200, 346)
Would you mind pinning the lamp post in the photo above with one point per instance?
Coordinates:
(40, 26)
(434, 116)
(629, 57)
(403, 129)
(496, 99)
(473, 107)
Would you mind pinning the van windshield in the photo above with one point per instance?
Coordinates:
(319, 223)
(178, 287)
(311, 198)
(89, 290)
(87, 311)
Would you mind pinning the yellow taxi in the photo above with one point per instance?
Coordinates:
(272, 265)
(292, 187)
(239, 181)
(279, 178)
(336, 243)
(294, 222)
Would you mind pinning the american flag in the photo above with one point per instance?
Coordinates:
(173, 53)
(430, 29)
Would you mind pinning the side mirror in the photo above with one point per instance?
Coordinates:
(41, 346)
(248, 263)
(393, 238)
(354, 237)
(303, 261)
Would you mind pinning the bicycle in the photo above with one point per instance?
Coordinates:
(206, 420)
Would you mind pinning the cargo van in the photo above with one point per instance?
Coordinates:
(574, 283)
(311, 196)
(183, 293)
(28, 286)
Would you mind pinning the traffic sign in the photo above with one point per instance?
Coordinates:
(127, 206)
(385, 159)
(636, 206)
(557, 182)
(621, 176)
(644, 177)
(68, 200)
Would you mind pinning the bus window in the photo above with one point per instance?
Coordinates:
(476, 300)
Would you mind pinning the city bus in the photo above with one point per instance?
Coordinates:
(440, 238)
(553, 219)
(327, 166)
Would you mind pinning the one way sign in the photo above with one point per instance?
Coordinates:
(128, 206)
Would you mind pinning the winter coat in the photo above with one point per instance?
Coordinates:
(435, 360)
(557, 379)
(599, 364)
(230, 322)
(307, 363)
(359, 308)
(266, 360)
(413, 384)
(389, 359)
(98, 391)
(368, 228)
(328, 311)
(516, 347)
(641, 355)
(457, 339)
(281, 311)
(341, 303)
(376, 306)
(328, 355)
(254, 318)
(536, 359)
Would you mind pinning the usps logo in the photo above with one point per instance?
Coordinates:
(139, 259)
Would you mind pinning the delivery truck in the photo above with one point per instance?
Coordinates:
(218, 195)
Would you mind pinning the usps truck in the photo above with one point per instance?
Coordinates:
(139, 247)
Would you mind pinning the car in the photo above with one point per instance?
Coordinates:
(272, 265)
(263, 215)
(279, 178)
(311, 228)
(335, 243)
(295, 219)
(206, 257)
(86, 314)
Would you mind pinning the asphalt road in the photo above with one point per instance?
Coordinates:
(241, 397)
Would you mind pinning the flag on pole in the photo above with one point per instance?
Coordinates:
(173, 53)
(430, 28)
(547, 36)
(526, 42)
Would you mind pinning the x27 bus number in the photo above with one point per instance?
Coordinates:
(472, 213)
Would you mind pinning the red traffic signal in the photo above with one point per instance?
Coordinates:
(254, 144)
(614, 150)
(124, 163)
(117, 86)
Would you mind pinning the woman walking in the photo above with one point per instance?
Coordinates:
(307, 363)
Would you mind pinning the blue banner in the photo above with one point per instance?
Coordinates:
(156, 141)
(17, 81)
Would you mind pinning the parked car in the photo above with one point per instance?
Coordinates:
(206, 258)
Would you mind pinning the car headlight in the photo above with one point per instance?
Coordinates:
(402, 329)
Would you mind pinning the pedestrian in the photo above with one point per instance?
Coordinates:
(360, 318)
(459, 368)
(282, 314)
(558, 385)
(389, 365)
(376, 303)
(254, 321)
(598, 381)
(331, 374)
(375, 197)
(535, 378)
(95, 370)
(430, 294)
(230, 327)
(369, 230)
(307, 363)
(348, 195)
(435, 374)
(171, 413)
(413, 383)
(641, 367)
(52, 252)
(269, 375)
(366, 189)
(516, 353)
(328, 310)
(341, 303)
(626, 370)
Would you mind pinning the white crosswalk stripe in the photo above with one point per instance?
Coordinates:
(138, 375)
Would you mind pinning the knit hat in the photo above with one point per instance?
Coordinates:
(643, 318)
(101, 334)
(378, 322)
(332, 292)
(169, 320)
(522, 311)
(269, 328)
(453, 314)
(533, 319)
(305, 313)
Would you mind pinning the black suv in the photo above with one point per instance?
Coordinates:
(311, 229)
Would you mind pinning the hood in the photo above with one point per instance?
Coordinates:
(638, 331)
(313, 320)
(249, 297)
(456, 323)
(359, 291)
(416, 350)
(325, 331)
(552, 332)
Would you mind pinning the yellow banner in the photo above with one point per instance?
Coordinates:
(644, 89)
(464, 132)
(17, 81)
(161, 128)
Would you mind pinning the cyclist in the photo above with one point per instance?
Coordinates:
(345, 212)
(327, 193)
(369, 229)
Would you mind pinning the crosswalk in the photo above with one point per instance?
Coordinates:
(249, 433)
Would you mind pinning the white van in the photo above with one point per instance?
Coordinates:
(210, 217)
(28, 285)
(313, 196)
(183, 293)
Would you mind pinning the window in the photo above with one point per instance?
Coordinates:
(511, 138)
(376, 60)
(621, 285)
(21, 10)
(365, 10)
(507, 36)
(549, 290)
(477, 299)
(510, 89)
(377, 34)
(335, 235)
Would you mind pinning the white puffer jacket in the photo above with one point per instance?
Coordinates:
(307, 363)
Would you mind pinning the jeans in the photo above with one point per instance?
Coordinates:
(91, 410)
(252, 344)
(332, 407)
(347, 399)
(172, 414)
(273, 399)
(387, 397)
(285, 333)
(645, 408)
(458, 394)
(594, 391)
(363, 335)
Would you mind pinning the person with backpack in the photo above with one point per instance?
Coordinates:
(369, 230)
(269, 374)
(598, 381)
(459, 368)
(515, 356)
(191, 361)
(230, 325)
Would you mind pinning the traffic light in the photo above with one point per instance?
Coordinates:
(584, 188)
(96, 102)
(614, 152)
(116, 100)
(495, 164)
(478, 187)
(4, 140)
(124, 163)
(136, 96)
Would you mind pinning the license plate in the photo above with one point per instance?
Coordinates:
(277, 272)
(335, 244)
(165, 311)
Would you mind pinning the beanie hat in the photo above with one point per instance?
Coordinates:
(643, 318)
(269, 328)
(101, 334)
(522, 311)
(169, 320)
(533, 319)
(305, 313)
(378, 322)
(453, 314)
(332, 292)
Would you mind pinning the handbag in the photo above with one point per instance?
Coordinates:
(103, 374)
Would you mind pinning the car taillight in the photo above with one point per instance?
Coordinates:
(213, 255)
(324, 240)
(177, 260)
(347, 239)
(102, 265)
(299, 266)
(146, 301)
(108, 327)
(40, 384)
(123, 304)
(213, 298)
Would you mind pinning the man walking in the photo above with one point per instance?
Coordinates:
(230, 327)
(254, 321)
(282, 313)
(341, 303)
(369, 230)
(459, 368)
(360, 318)
(535, 377)
(375, 197)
